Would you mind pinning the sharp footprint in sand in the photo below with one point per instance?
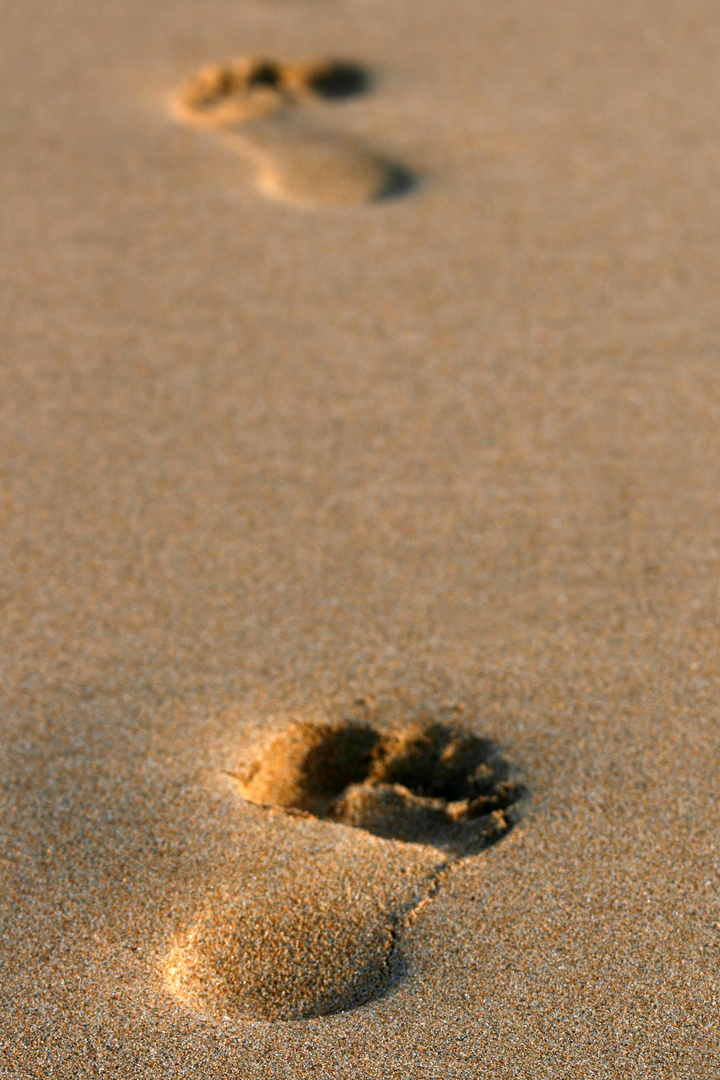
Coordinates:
(260, 107)
(326, 935)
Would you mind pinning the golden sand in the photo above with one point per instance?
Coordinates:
(268, 471)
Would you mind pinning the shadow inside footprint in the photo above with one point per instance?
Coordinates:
(260, 106)
(338, 79)
(429, 783)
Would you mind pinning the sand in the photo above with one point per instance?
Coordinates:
(448, 452)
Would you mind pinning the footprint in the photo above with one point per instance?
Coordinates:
(427, 783)
(258, 107)
(325, 935)
(293, 949)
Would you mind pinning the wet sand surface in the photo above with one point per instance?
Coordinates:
(455, 452)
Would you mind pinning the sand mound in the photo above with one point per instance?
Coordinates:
(429, 783)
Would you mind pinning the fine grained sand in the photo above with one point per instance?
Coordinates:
(261, 462)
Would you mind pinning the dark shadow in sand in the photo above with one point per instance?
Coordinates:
(339, 80)
(426, 783)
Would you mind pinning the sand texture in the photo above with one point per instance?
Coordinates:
(360, 540)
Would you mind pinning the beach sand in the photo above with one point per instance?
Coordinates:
(279, 452)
